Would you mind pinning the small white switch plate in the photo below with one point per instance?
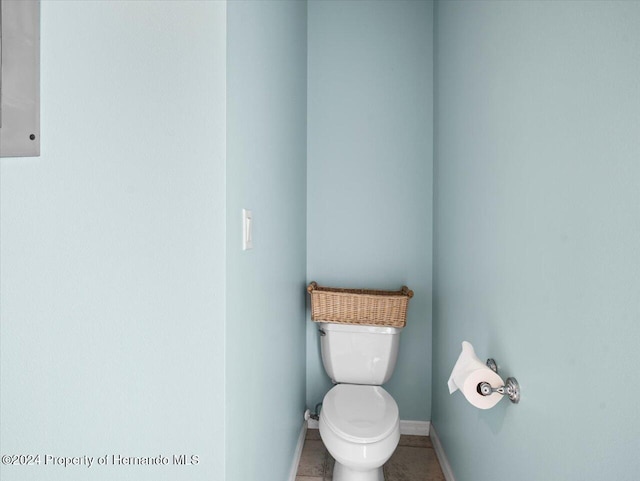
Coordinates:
(247, 229)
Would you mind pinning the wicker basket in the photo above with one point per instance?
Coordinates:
(359, 306)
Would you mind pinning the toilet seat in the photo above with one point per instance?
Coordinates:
(360, 414)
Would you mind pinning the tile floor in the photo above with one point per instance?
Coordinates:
(413, 460)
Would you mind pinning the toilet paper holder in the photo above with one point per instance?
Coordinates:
(511, 387)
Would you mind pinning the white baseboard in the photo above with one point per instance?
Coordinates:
(298, 452)
(442, 457)
(418, 428)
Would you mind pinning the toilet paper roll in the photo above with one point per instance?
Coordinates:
(470, 371)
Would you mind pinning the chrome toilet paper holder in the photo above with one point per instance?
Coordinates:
(511, 387)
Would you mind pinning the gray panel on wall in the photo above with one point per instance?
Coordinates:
(20, 79)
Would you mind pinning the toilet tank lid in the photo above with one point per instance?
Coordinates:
(360, 414)
(331, 326)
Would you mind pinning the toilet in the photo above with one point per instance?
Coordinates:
(359, 420)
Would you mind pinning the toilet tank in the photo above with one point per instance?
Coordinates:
(357, 354)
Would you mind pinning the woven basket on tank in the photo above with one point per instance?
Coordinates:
(359, 306)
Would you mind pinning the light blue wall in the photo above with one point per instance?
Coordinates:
(370, 171)
(266, 142)
(112, 245)
(537, 228)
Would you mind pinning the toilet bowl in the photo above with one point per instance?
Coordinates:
(360, 427)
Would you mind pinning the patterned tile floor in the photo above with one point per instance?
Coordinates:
(413, 460)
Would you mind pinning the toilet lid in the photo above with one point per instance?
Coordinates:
(360, 414)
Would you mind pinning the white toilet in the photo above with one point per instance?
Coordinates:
(359, 420)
